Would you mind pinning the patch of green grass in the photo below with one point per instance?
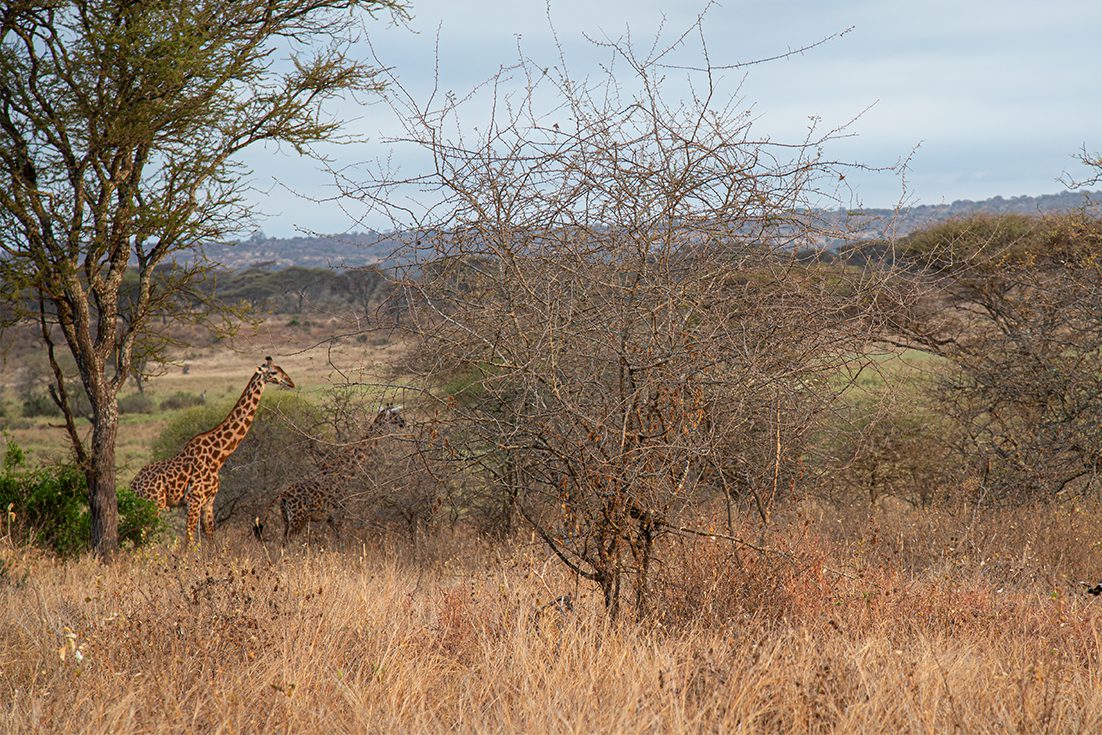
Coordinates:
(909, 371)
(467, 387)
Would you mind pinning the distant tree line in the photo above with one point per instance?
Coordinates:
(369, 290)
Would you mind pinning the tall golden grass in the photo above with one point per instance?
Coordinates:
(894, 621)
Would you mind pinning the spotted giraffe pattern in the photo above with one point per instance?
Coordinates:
(191, 475)
(321, 496)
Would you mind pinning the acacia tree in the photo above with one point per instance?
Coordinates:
(119, 126)
(607, 297)
(1011, 304)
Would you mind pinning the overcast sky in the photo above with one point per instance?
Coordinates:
(997, 95)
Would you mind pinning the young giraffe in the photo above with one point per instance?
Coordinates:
(320, 496)
(192, 474)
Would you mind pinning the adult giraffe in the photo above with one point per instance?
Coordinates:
(192, 474)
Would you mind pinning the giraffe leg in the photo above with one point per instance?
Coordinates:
(297, 523)
(208, 517)
(200, 502)
(194, 509)
(285, 512)
(160, 494)
(335, 524)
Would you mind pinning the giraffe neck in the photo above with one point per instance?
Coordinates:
(228, 434)
(363, 449)
(335, 460)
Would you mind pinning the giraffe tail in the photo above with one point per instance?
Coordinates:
(258, 521)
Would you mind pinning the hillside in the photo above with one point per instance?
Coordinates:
(363, 248)
(344, 250)
(876, 223)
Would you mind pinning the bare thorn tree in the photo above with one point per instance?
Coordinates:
(607, 300)
(1011, 304)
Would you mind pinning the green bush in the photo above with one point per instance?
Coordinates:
(139, 519)
(14, 457)
(136, 403)
(39, 404)
(180, 399)
(50, 508)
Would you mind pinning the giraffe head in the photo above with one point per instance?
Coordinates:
(389, 418)
(273, 373)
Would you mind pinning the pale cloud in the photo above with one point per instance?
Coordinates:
(999, 94)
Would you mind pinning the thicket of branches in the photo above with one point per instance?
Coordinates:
(608, 308)
(621, 332)
(1011, 304)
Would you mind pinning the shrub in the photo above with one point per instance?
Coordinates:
(39, 404)
(888, 442)
(136, 403)
(51, 510)
(13, 457)
(1011, 305)
(139, 519)
(181, 399)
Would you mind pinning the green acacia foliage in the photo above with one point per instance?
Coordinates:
(48, 506)
(976, 246)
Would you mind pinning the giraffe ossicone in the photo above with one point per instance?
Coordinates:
(191, 475)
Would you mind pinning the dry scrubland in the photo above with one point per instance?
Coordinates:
(863, 618)
(889, 621)
(220, 370)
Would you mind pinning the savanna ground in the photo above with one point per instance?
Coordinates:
(868, 617)
(919, 623)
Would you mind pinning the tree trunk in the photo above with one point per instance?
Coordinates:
(139, 378)
(609, 582)
(645, 544)
(102, 502)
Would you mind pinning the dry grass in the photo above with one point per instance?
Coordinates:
(843, 633)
